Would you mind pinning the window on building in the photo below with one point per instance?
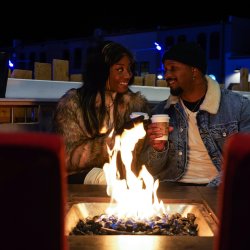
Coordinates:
(214, 52)
(137, 69)
(43, 57)
(169, 42)
(21, 62)
(66, 54)
(202, 40)
(181, 39)
(32, 58)
(144, 68)
(77, 58)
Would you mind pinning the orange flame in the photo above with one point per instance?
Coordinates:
(129, 199)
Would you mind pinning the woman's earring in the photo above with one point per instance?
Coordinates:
(194, 71)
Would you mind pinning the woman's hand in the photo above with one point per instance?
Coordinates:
(130, 124)
(154, 132)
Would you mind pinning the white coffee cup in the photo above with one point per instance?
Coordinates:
(163, 122)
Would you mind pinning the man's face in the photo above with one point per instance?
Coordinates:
(179, 77)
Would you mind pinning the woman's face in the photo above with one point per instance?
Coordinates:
(119, 75)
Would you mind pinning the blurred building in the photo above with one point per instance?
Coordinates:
(226, 44)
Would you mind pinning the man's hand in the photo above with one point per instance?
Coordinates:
(154, 132)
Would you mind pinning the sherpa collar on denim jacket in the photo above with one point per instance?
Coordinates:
(212, 99)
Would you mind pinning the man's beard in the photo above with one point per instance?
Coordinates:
(176, 92)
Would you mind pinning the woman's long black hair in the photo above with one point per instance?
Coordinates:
(95, 75)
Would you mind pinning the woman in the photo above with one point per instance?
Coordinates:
(86, 116)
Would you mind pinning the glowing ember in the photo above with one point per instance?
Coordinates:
(133, 197)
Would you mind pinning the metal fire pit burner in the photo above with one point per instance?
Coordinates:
(207, 224)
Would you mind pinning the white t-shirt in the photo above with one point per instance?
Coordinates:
(200, 168)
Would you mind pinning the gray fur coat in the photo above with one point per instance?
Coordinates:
(82, 150)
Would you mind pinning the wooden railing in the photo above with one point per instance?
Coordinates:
(57, 71)
(26, 115)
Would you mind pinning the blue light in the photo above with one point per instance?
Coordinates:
(158, 47)
(160, 76)
(11, 65)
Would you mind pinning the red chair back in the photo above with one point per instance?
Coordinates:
(32, 191)
(234, 195)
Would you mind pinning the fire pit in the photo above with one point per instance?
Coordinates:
(134, 200)
(204, 220)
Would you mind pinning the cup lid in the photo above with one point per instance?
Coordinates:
(160, 117)
(136, 114)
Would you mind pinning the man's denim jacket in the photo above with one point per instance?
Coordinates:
(222, 114)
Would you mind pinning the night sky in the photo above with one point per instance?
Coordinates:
(75, 21)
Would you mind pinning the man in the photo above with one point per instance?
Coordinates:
(202, 117)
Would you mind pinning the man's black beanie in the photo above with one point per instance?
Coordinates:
(189, 53)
